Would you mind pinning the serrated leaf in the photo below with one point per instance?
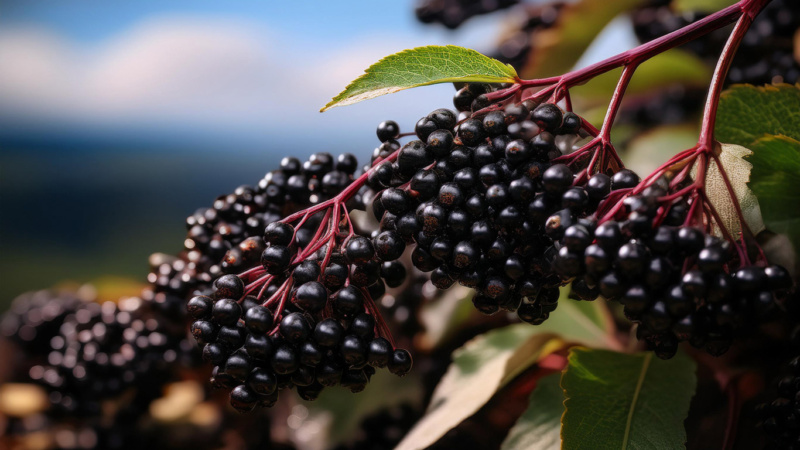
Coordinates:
(490, 361)
(619, 401)
(539, 427)
(556, 49)
(775, 180)
(423, 66)
(738, 172)
(707, 6)
(746, 113)
(479, 369)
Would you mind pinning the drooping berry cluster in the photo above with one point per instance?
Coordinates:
(257, 354)
(298, 311)
(767, 54)
(474, 198)
(452, 13)
(677, 282)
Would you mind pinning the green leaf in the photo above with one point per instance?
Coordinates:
(619, 401)
(746, 113)
(557, 49)
(423, 66)
(490, 361)
(539, 427)
(707, 6)
(479, 369)
(775, 179)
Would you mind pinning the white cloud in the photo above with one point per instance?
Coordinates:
(203, 73)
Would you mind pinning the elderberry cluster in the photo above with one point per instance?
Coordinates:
(272, 334)
(474, 198)
(100, 350)
(256, 354)
(675, 281)
(452, 13)
(35, 317)
(226, 238)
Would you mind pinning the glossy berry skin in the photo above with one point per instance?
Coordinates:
(379, 352)
(557, 179)
(203, 331)
(311, 296)
(494, 123)
(335, 276)
(471, 132)
(363, 326)
(258, 320)
(624, 179)
(518, 151)
(348, 301)
(276, 259)
(306, 271)
(393, 273)
(424, 185)
(353, 350)
(358, 250)
(199, 307)
(548, 116)
(243, 399)
(571, 123)
(277, 233)
(259, 347)
(443, 118)
(328, 333)
(387, 129)
(262, 381)
(401, 362)
(396, 201)
(295, 328)
(226, 312)
(439, 143)
(389, 245)
(229, 286)
(284, 360)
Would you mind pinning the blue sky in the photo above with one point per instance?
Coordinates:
(206, 72)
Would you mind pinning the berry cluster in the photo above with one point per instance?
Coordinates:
(295, 308)
(101, 350)
(474, 198)
(35, 318)
(226, 238)
(767, 53)
(256, 354)
(452, 13)
(677, 282)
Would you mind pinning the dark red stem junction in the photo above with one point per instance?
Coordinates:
(679, 170)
